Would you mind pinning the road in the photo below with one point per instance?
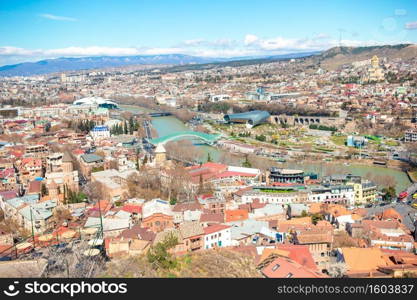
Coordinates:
(147, 126)
(411, 190)
(147, 146)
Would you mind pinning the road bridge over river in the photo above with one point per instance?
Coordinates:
(205, 137)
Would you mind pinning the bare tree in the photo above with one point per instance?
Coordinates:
(145, 184)
(94, 191)
(177, 183)
(61, 215)
(183, 151)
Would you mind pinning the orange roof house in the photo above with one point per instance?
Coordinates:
(236, 215)
(390, 214)
(364, 260)
(300, 254)
(283, 267)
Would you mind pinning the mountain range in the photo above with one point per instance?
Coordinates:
(329, 59)
(338, 56)
(64, 64)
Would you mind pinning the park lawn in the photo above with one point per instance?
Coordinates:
(338, 140)
(277, 191)
(391, 143)
(323, 149)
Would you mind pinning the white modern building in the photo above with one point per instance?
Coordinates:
(156, 206)
(219, 98)
(100, 132)
(333, 194)
(217, 235)
(95, 102)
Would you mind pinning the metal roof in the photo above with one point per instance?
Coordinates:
(254, 117)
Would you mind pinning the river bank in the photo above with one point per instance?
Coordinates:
(170, 124)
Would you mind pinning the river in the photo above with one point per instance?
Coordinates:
(170, 124)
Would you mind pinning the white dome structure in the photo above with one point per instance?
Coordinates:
(97, 102)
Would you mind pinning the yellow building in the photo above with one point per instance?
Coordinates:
(365, 192)
(374, 72)
(160, 154)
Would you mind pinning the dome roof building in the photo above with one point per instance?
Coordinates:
(250, 118)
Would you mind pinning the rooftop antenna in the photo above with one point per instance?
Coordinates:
(340, 36)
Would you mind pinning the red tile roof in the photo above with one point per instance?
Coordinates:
(215, 228)
(300, 254)
(35, 187)
(215, 218)
(234, 173)
(236, 215)
(282, 267)
(131, 208)
(180, 207)
(7, 172)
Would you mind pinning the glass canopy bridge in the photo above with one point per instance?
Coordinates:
(204, 137)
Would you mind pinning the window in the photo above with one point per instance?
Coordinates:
(289, 275)
(274, 268)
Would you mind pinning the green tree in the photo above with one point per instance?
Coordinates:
(47, 127)
(246, 163)
(316, 217)
(44, 190)
(261, 138)
(389, 194)
(159, 256)
(125, 129)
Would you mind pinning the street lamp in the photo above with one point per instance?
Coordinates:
(101, 219)
(33, 228)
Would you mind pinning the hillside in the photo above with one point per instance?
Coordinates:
(338, 56)
(205, 264)
(85, 63)
(330, 59)
(179, 62)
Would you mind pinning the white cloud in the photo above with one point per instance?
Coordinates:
(250, 39)
(194, 42)
(57, 18)
(251, 45)
(14, 51)
(411, 25)
(321, 36)
(90, 51)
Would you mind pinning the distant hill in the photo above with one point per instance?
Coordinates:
(99, 62)
(338, 56)
(85, 63)
(329, 59)
(241, 61)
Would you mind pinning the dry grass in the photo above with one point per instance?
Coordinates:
(204, 264)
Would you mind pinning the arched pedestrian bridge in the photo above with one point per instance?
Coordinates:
(205, 137)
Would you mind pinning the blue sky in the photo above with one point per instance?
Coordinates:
(32, 30)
